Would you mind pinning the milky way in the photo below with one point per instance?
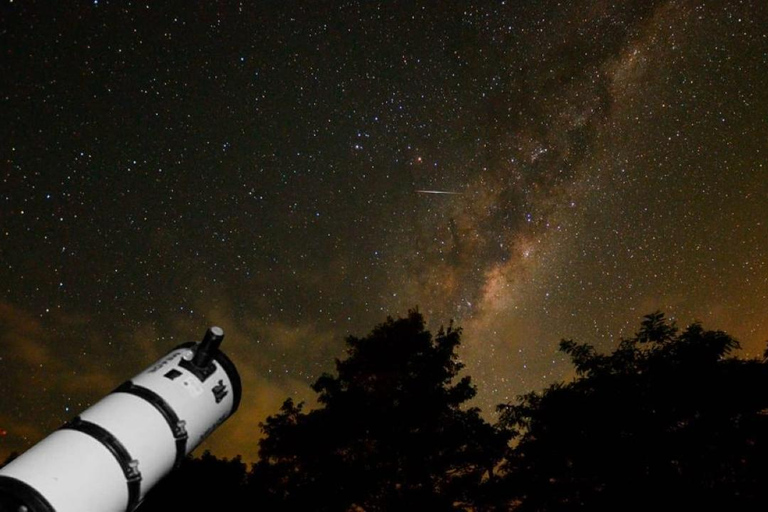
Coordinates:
(264, 168)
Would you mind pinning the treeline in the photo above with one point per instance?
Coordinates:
(669, 420)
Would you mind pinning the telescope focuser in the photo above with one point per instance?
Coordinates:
(201, 362)
(108, 457)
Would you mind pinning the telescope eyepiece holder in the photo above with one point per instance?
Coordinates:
(110, 455)
(201, 362)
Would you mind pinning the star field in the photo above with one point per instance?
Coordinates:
(260, 167)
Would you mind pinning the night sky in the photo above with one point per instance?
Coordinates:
(261, 166)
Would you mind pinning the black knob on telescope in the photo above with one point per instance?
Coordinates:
(208, 347)
(111, 454)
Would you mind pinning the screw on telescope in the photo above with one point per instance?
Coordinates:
(208, 347)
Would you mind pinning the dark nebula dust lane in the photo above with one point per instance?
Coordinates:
(295, 173)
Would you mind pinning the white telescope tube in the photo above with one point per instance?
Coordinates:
(108, 457)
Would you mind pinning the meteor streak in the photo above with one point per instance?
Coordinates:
(438, 192)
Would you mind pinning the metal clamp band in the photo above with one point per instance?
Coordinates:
(17, 495)
(129, 466)
(176, 425)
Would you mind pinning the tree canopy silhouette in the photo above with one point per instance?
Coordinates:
(390, 433)
(669, 419)
(205, 483)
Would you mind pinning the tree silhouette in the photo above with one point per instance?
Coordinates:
(390, 433)
(668, 420)
(203, 484)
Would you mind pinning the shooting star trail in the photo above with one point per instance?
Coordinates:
(438, 192)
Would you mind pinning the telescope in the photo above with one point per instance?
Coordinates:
(109, 456)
